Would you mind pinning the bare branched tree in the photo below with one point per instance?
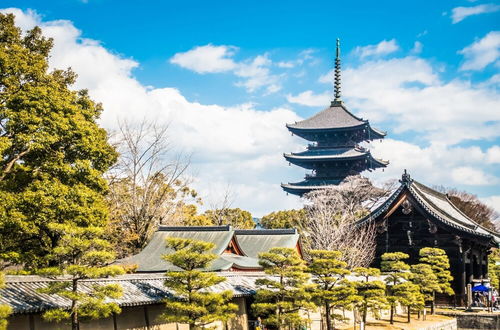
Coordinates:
(148, 186)
(220, 205)
(332, 214)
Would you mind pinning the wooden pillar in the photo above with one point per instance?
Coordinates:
(463, 277)
(146, 317)
(481, 257)
(471, 266)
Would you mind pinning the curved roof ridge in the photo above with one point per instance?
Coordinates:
(281, 231)
(195, 228)
(437, 208)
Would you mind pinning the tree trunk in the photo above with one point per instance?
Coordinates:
(74, 308)
(192, 326)
(327, 317)
(409, 314)
(433, 304)
(392, 315)
(365, 311)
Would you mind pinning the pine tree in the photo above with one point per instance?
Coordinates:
(371, 292)
(52, 152)
(440, 264)
(397, 271)
(280, 299)
(192, 302)
(424, 277)
(333, 291)
(82, 254)
(408, 294)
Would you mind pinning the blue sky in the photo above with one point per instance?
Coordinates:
(228, 75)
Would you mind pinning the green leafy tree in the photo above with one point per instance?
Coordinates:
(424, 277)
(190, 217)
(397, 271)
(280, 298)
(284, 219)
(333, 291)
(440, 264)
(5, 310)
(192, 301)
(235, 217)
(82, 254)
(494, 268)
(408, 294)
(52, 152)
(371, 292)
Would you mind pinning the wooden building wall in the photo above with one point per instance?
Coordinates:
(410, 229)
(146, 317)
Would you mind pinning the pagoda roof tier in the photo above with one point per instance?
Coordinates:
(332, 119)
(437, 206)
(300, 188)
(332, 155)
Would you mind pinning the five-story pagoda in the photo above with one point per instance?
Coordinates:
(334, 152)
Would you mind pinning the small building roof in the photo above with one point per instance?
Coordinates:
(150, 258)
(21, 293)
(438, 205)
(256, 241)
(244, 256)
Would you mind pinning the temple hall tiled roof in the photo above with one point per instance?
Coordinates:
(438, 205)
(138, 289)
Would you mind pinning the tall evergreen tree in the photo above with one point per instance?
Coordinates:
(280, 299)
(81, 254)
(440, 264)
(192, 302)
(52, 152)
(371, 292)
(333, 291)
(397, 271)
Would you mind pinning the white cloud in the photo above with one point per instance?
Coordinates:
(310, 99)
(286, 64)
(492, 201)
(436, 164)
(458, 14)
(493, 155)
(240, 145)
(417, 48)
(206, 59)
(482, 52)
(472, 176)
(257, 74)
(382, 48)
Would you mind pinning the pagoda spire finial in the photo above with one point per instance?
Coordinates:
(336, 84)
